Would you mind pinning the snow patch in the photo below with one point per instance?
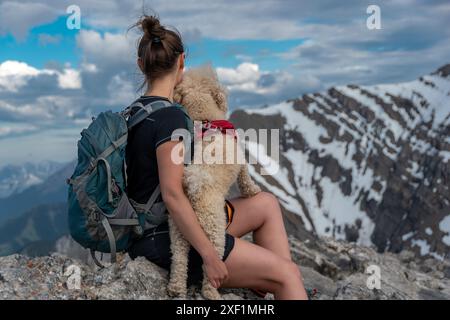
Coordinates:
(444, 226)
(423, 246)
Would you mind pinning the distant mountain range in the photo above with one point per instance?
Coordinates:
(365, 163)
(33, 219)
(369, 164)
(52, 190)
(35, 231)
(16, 178)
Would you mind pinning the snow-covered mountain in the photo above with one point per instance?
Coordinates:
(16, 178)
(365, 163)
(52, 190)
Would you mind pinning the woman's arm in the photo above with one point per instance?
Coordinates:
(180, 209)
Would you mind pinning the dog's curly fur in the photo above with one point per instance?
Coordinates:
(206, 185)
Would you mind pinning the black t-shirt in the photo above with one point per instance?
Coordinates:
(143, 139)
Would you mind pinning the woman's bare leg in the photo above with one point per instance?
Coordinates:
(261, 214)
(253, 266)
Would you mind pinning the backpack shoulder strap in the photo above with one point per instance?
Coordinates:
(152, 198)
(189, 122)
(145, 110)
(179, 106)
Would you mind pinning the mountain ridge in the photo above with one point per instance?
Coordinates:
(52, 190)
(17, 178)
(365, 163)
(35, 231)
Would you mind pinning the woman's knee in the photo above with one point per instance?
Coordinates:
(286, 271)
(292, 270)
(268, 204)
(266, 200)
(267, 197)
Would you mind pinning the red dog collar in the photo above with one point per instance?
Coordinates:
(224, 126)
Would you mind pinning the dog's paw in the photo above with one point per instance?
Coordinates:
(175, 290)
(211, 293)
(254, 190)
(250, 191)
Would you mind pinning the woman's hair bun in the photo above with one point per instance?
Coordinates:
(158, 49)
(151, 27)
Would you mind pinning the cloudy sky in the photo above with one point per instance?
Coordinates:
(52, 78)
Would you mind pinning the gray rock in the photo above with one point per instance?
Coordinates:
(336, 269)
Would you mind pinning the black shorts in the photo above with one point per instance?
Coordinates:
(155, 247)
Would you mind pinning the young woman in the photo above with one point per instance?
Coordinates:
(265, 265)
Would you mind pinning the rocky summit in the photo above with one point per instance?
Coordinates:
(331, 270)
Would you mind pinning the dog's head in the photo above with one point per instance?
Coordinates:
(201, 93)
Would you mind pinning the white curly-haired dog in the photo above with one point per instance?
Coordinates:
(206, 184)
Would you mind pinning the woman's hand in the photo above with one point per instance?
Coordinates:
(215, 269)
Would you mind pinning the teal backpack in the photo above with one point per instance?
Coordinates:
(101, 216)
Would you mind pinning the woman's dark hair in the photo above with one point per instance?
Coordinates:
(159, 47)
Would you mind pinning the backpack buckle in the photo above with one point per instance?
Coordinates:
(95, 215)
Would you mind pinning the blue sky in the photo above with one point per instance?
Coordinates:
(53, 79)
(44, 44)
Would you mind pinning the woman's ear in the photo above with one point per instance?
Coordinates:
(178, 93)
(140, 64)
(182, 58)
(180, 70)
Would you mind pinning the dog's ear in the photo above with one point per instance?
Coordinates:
(182, 89)
(220, 96)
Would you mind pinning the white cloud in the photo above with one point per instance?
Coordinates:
(18, 18)
(44, 144)
(121, 91)
(89, 67)
(23, 112)
(109, 70)
(243, 77)
(249, 86)
(44, 110)
(106, 49)
(15, 75)
(247, 77)
(14, 129)
(69, 79)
